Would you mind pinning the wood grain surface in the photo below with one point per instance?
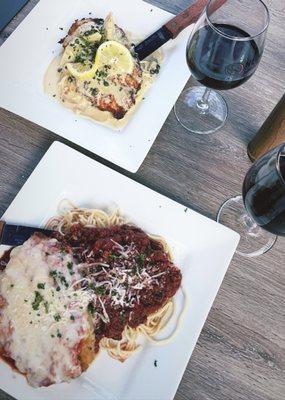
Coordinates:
(240, 354)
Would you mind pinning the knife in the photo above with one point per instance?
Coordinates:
(15, 235)
(173, 27)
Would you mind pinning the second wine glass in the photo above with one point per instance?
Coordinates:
(259, 214)
(223, 51)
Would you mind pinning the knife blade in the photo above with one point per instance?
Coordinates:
(173, 27)
(15, 235)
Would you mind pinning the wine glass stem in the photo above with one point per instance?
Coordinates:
(203, 103)
(248, 222)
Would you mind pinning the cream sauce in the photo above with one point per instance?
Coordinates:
(76, 97)
(80, 105)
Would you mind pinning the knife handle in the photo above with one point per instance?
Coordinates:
(190, 15)
(185, 18)
(2, 226)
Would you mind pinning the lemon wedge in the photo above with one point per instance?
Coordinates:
(73, 49)
(80, 71)
(94, 37)
(116, 55)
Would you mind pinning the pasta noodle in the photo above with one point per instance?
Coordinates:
(122, 349)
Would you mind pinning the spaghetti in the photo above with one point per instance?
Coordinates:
(71, 216)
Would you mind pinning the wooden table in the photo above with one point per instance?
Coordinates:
(240, 353)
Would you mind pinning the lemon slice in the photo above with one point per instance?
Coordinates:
(110, 53)
(116, 55)
(80, 71)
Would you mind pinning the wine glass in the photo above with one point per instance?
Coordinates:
(223, 52)
(259, 214)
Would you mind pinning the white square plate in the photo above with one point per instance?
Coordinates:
(27, 53)
(202, 249)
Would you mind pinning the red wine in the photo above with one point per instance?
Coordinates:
(264, 192)
(219, 62)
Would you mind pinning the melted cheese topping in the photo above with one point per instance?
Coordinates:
(43, 320)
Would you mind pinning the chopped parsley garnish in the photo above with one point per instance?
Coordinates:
(94, 91)
(52, 335)
(57, 274)
(91, 285)
(85, 50)
(37, 301)
(41, 285)
(106, 83)
(25, 300)
(72, 317)
(100, 290)
(58, 334)
(70, 265)
(79, 59)
(91, 309)
(57, 317)
(101, 74)
(63, 281)
(140, 260)
(53, 274)
(11, 285)
(112, 257)
(90, 31)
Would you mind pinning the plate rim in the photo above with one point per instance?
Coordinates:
(58, 146)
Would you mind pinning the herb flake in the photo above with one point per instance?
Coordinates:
(37, 301)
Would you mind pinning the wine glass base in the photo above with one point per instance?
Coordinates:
(254, 240)
(200, 121)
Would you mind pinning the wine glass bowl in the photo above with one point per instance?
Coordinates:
(259, 214)
(223, 52)
(264, 191)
